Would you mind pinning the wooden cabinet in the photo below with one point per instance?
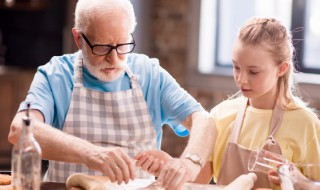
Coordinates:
(14, 85)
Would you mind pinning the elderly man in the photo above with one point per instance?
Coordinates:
(94, 110)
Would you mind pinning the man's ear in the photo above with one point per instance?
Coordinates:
(77, 37)
(283, 68)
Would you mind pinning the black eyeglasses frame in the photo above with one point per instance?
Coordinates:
(108, 45)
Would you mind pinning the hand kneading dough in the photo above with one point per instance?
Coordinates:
(84, 181)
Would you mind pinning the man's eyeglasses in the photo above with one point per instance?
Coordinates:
(105, 49)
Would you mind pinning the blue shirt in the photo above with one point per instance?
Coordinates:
(168, 103)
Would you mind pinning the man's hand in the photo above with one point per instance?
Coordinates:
(113, 162)
(176, 172)
(60, 146)
(152, 161)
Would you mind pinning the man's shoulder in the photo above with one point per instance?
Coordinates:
(143, 65)
(63, 63)
(136, 59)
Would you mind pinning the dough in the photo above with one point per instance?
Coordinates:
(84, 181)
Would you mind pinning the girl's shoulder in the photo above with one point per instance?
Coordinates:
(302, 114)
(232, 103)
(227, 107)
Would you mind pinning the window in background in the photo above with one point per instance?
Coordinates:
(220, 21)
(232, 15)
(207, 36)
(311, 53)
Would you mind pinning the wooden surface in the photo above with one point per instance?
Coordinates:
(44, 186)
(62, 186)
(51, 186)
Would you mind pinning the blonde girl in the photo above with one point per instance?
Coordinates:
(266, 113)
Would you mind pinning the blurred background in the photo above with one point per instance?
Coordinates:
(191, 38)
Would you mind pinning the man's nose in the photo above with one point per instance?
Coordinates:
(112, 56)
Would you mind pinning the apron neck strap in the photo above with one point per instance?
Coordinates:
(276, 118)
(78, 73)
(238, 122)
(278, 112)
(134, 79)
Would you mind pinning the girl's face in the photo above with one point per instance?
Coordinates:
(256, 74)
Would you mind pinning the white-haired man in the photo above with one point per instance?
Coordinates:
(105, 104)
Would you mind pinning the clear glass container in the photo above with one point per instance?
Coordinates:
(26, 160)
(300, 176)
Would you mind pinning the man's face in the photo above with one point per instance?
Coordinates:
(106, 30)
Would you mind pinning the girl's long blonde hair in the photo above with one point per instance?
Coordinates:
(275, 37)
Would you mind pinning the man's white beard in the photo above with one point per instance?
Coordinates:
(96, 70)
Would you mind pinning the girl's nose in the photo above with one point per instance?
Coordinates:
(242, 78)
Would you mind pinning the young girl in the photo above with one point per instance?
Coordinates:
(265, 113)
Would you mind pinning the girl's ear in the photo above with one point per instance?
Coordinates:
(283, 68)
(77, 37)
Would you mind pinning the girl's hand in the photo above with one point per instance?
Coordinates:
(243, 182)
(152, 161)
(274, 177)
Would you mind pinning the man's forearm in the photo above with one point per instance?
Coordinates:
(202, 138)
(55, 144)
(201, 142)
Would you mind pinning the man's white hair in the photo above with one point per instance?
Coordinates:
(87, 10)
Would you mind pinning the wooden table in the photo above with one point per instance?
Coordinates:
(53, 186)
(44, 186)
(62, 186)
